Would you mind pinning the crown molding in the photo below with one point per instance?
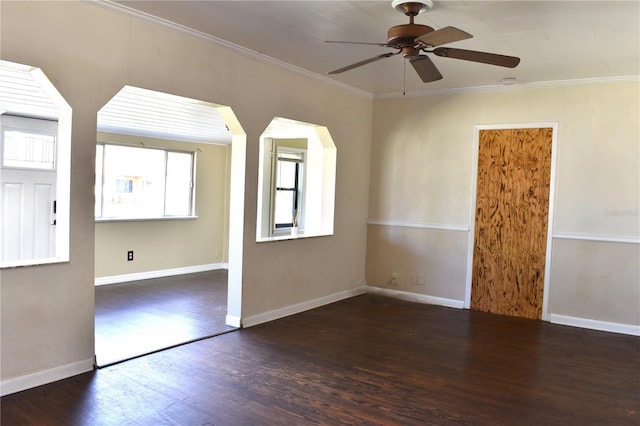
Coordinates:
(165, 23)
(512, 87)
(161, 22)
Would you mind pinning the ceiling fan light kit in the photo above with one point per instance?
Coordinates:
(411, 39)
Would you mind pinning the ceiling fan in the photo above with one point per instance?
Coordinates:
(411, 39)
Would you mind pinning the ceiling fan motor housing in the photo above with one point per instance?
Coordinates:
(404, 37)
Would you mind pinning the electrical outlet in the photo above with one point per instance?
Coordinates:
(422, 279)
(418, 279)
(129, 255)
(395, 280)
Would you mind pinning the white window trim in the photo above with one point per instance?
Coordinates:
(280, 148)
(192, 207)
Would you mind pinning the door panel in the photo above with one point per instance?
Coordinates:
(43, 241)
(28, 230)
(12, 208)
(512, 205)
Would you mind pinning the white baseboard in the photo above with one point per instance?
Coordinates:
(301, 307)
(114, 279)
(233, 321)
(612, 327)
(40, 378)
(415, 297)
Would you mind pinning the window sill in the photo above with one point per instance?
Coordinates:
(33, 262)
(143, 219)
(282, 236)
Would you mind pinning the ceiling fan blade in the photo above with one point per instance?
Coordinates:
(361, 63)
(357, 42)
(443, 36)
(472, 55)
(426, 69)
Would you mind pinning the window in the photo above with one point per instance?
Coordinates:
(143, 183)
(27, 150)
(289, 188)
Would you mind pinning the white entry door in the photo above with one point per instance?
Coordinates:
(28, 214)
(27, 188)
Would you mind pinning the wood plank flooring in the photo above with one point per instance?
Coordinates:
(368, 360)
(141, 317)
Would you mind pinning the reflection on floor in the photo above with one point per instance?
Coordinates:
(141, 317)
(368, 360)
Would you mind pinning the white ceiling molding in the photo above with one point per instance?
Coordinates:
(557, 41)
(511, 87)
(145, 17)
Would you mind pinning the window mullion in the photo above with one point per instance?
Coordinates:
(296, 188)
(192, 183)
(166, 170)
(104, 154)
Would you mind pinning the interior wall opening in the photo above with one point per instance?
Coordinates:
(35, 147)
(166, 195)
(296, 181)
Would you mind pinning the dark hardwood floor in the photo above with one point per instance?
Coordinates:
(368, 360)
(141, 317)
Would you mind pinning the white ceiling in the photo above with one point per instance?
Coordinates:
(556, 40)
(22, 92)
(26, 91)
(143, 112)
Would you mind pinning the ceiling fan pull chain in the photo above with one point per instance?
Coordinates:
(404, 77)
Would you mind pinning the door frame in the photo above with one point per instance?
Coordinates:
(472, 214)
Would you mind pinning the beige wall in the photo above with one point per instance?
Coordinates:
(168, 244)
(420, 164)
(596, 280)
(400, 252)
(90, 53)
(421, 174)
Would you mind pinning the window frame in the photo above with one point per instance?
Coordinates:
(298, 189)
(21, 125)
(167, 151)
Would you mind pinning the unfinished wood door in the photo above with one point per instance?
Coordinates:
(512, 206)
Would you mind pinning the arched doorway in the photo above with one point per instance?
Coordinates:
(185, 159)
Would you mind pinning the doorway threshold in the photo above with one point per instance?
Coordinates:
(100, 365)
